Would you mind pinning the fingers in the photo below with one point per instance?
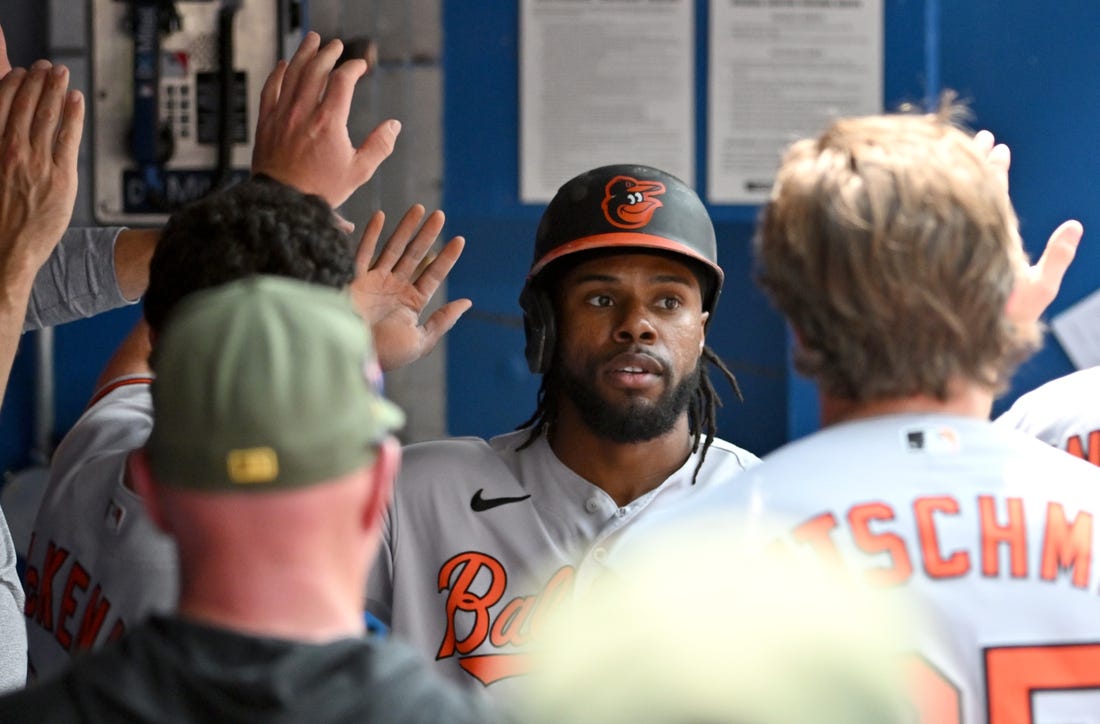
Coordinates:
(269, 94)
(5, 64)
(67, 148)
(441, 321)
(377, 147)
(314, 75)
(399, 239)
(341, 89)
(369, 241)
(421, 244)
(306, 50)
(1060, 250)
(435, 272)
(48, 114)
(9, 86)
(25, 103)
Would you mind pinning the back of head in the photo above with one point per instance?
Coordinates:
(256, 227)
(891, 246)
(625, 207)
(264, 384)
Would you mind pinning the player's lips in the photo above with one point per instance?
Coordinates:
(633, 370)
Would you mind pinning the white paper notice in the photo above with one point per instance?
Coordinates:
(1078, 331)
(779, 70)
(601, 82)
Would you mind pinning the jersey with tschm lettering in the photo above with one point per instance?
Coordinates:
(992, 534)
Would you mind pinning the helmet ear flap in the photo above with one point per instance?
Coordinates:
(538, 326)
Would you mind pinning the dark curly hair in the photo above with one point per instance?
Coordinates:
(259, 226)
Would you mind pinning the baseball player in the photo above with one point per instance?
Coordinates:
(891, 246)
(96, 564)
(484, 538)
(1055, 413)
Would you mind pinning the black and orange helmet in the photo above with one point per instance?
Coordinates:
(625, 206)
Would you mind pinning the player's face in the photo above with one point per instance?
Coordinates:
(630, 336)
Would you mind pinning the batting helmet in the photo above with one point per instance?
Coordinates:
(611, 208)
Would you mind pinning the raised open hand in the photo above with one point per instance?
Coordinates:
(1039, 285)
(41, 124)
(392, 291)
(302, 130)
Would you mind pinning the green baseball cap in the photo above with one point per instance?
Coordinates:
(265, 383)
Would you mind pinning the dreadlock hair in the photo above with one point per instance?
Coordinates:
(702, 410)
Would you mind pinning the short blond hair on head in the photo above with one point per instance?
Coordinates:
(891, 246)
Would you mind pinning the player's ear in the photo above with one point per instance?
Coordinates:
(703, 326)
(382, 473)
(139, 478)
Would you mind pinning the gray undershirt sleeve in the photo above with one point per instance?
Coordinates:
(78, 280)
(13, 631)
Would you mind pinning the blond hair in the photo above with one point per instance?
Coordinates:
(891, 246)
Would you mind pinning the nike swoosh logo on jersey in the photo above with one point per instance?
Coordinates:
(479, 504)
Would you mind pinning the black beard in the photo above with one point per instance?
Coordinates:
(637, 421)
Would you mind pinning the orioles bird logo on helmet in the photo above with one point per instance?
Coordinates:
(629, 203)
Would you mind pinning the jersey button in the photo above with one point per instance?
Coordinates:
(592, 505)
(600, 555)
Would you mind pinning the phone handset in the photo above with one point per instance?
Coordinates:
(151, 139)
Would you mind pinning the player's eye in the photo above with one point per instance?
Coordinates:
(670, 303)
(600, 300)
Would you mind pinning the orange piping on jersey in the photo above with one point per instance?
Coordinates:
(1014, 534)
(1067, 545)
(108, 389)
(491, 668)
(860, 518)
(935, 565)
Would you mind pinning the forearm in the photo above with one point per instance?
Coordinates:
(79, 277)
(13, 308)
(133, 252)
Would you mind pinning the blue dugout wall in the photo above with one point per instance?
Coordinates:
(1025, 68)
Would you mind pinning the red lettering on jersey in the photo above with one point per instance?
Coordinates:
(815, 532)
(860, 518)
(1067, 545)
(55, 558)
(461, 598)
(1013, 534)
(935, 565)
(95, 611)
(518, 621)
(78, 579)
(117, 630)
(1075, 447)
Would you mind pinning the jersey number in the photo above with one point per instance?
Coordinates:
(1012, 675)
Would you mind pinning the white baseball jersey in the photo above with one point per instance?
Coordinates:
(481, 540)
(97, 564)
(1064, 413)
(989, 531)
